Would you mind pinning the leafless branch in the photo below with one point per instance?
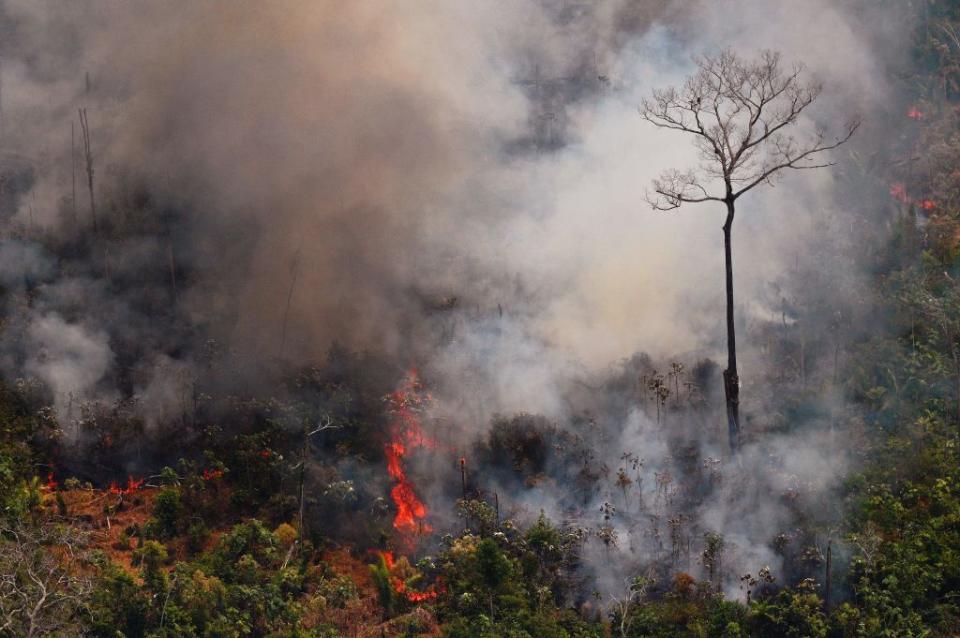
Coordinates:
(42, 581)
(738, 112)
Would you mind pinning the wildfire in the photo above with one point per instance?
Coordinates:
(400, 586)
(914, 113)
(211, 475)
(133, 485)
(404, 405)
(51, 484)
(899, 192)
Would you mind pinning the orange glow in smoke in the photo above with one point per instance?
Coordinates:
(899, 192)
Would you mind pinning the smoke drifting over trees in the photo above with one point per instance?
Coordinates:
(456, 187)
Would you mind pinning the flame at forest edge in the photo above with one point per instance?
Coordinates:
(400, 586)
(133, 485)
(404, 405)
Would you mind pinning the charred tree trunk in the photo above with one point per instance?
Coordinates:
(731, 379)
(85, 133)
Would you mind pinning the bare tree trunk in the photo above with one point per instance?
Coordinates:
(731, 379)
(85, 132)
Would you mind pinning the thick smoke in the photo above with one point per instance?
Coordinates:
(456, 185)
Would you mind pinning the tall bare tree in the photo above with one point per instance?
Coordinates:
(741, 114)
(88, 155)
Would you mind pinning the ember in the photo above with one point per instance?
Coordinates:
(899, 192)
(210, 475)
(914, 113)
(51, 484)
(406, 434)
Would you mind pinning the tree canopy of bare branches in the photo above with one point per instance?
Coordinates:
(42, 581)
(741, 115)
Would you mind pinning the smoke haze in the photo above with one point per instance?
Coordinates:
(454, 185)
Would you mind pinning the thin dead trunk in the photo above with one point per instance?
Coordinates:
(731, 378)
(85, 132)
(294, 273)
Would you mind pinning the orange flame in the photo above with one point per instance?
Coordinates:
(400, 587)
(133, 485)
(51, 484)
(405, 432)
(211, 475)
(914, 113)
(899, 192)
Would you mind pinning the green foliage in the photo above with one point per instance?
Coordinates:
(239, 588)
(380, 573)
(118, 606)
(167, 511)
(792, 613)
(197, 536)
(151, 557)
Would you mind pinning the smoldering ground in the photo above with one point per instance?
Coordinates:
(455, 185)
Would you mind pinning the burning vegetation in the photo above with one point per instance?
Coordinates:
(214, 287)
(405, 406)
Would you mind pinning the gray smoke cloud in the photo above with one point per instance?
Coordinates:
(458, 184)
